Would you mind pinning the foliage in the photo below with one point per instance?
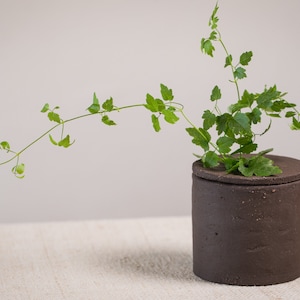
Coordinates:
(236, 137)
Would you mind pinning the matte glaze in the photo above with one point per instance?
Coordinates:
(247, 234)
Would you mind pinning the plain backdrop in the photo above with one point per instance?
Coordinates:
(62, 51)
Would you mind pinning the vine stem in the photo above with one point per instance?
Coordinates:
(231, 65)
(62, 123)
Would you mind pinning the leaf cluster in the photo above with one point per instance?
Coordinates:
(107, 106)
(236, 127)
(162, 107)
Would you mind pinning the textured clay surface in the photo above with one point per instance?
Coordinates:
(247, 234)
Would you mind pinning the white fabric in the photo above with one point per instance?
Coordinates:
(112, 259)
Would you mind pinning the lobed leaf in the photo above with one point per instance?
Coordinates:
(170, 116)
(155, 123)
(154, 105)
(254, 116)
(45, 108)
(240, 73)
(228, 61)
(215, 94)
(207, 47)
(209, 119)
(231, 164)
(224, 143)
(53, 116)
(213, 36)
(267, 97)
(95, 106)
(107, 121)
(200, 136)
(108, 104)
(259, 166)
(246, 149)
(213, 20)
(290, 114)
(280, 105)
(166, 93)
(240, 123)
(222, 122)
(210, 159)
(296, 124)
(246, 100)
(65, 142)
(245, 58)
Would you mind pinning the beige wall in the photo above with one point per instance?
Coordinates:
(62, 51)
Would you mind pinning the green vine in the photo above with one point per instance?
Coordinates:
(235, 128)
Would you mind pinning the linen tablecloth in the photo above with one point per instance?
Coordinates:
(112, 259)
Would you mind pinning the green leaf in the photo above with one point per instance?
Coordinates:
(232, 125)
(240, 123)
(267, 97)
(209, 119)
(52, 140)
(245, 58)
(108, 104)
(228, 61)
(224, 143)
(65, 142)
(45, 108)
(254, 116)
(166, 93)
(296, 124)
(246, 149)
(222, 123)
(170, 116)
(213, 36)
(240, 73)
(200, 136)
(213, 20)
(5, 145)
(274, 115)
(154, 105)
(246, 100)
(107, 121)
(290, 114)
(215, 94)
(280, 105)
(231, 164)
(19, 170)
(207, 47)
(52, 116)
(244, 140)
(210, 159)
(95, 107)
(155, 123)
(259, 166)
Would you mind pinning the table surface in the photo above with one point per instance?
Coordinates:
(112, 259)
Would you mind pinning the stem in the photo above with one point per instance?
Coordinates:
(231, 66)
(17, 154)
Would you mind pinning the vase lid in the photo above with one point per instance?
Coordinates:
(290, 172)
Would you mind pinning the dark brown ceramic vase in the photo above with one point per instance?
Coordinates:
(246, 231)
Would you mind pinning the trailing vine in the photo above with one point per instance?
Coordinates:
(236, 137)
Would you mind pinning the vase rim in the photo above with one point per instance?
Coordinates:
(290, 172)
